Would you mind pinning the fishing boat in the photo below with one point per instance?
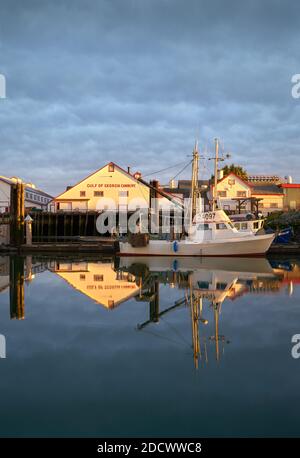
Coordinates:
(210, 233)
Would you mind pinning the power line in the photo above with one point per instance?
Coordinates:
(163, 170)
(173, 178)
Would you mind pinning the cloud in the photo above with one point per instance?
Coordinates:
(135, 82)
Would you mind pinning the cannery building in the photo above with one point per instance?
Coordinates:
(109, 188)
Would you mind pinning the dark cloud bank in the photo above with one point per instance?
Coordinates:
(135, 81)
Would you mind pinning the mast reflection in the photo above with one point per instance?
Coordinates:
(204, 282)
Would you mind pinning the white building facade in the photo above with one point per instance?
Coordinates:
(34, 197)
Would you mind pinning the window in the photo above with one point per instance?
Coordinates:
(244, 226)
(241, 194)
(231, 181)
(34, 197)
(274, 204)
(123, 193)
(203, 227)
(27, 195)
(111, 304)
(82, 193)
(98, 277)
(111, 168)
(82, 277)
(203, 284)
(221, 226)
(260, 205)
(221, 286)
(98, 193)
(222, 193)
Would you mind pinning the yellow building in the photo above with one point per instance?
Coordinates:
(232, 189)
(110, 187)
(271, 197)
(98, 281)
(291, 199)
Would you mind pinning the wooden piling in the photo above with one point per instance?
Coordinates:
(17, 213)
(16, 273)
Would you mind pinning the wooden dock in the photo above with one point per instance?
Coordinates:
(285, 249)
(97, 245)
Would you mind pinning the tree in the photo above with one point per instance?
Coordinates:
(236, 169)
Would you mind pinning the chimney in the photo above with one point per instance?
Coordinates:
(128, 169)
(220, 174)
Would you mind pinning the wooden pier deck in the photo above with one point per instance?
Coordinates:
(101, 245)
(285, 249)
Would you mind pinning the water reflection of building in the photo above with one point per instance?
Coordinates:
(98, 280)
(203, 285)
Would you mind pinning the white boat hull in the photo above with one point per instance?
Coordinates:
(238, 246)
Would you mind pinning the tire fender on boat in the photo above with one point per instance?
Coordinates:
(175, 246)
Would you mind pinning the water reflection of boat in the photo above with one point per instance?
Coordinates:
(238, 265)
(211, 280)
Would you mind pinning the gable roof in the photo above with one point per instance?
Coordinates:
(236, 176)
(96, 171)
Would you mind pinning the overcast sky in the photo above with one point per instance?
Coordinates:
(136, 81)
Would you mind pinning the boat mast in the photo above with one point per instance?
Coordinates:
(195, 178)
(215, 193)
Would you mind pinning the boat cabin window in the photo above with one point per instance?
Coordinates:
(221, 286)
(244, 226)
(221, 226)
(203, 284)
(255, 225)
(203, 227)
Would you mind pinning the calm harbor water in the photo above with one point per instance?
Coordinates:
(159, 347)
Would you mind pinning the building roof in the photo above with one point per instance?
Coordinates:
(263, 178)
(98, 170)
(28, 187)
(250, 185)
(186, 184)
(266, 189)
(290, 185)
